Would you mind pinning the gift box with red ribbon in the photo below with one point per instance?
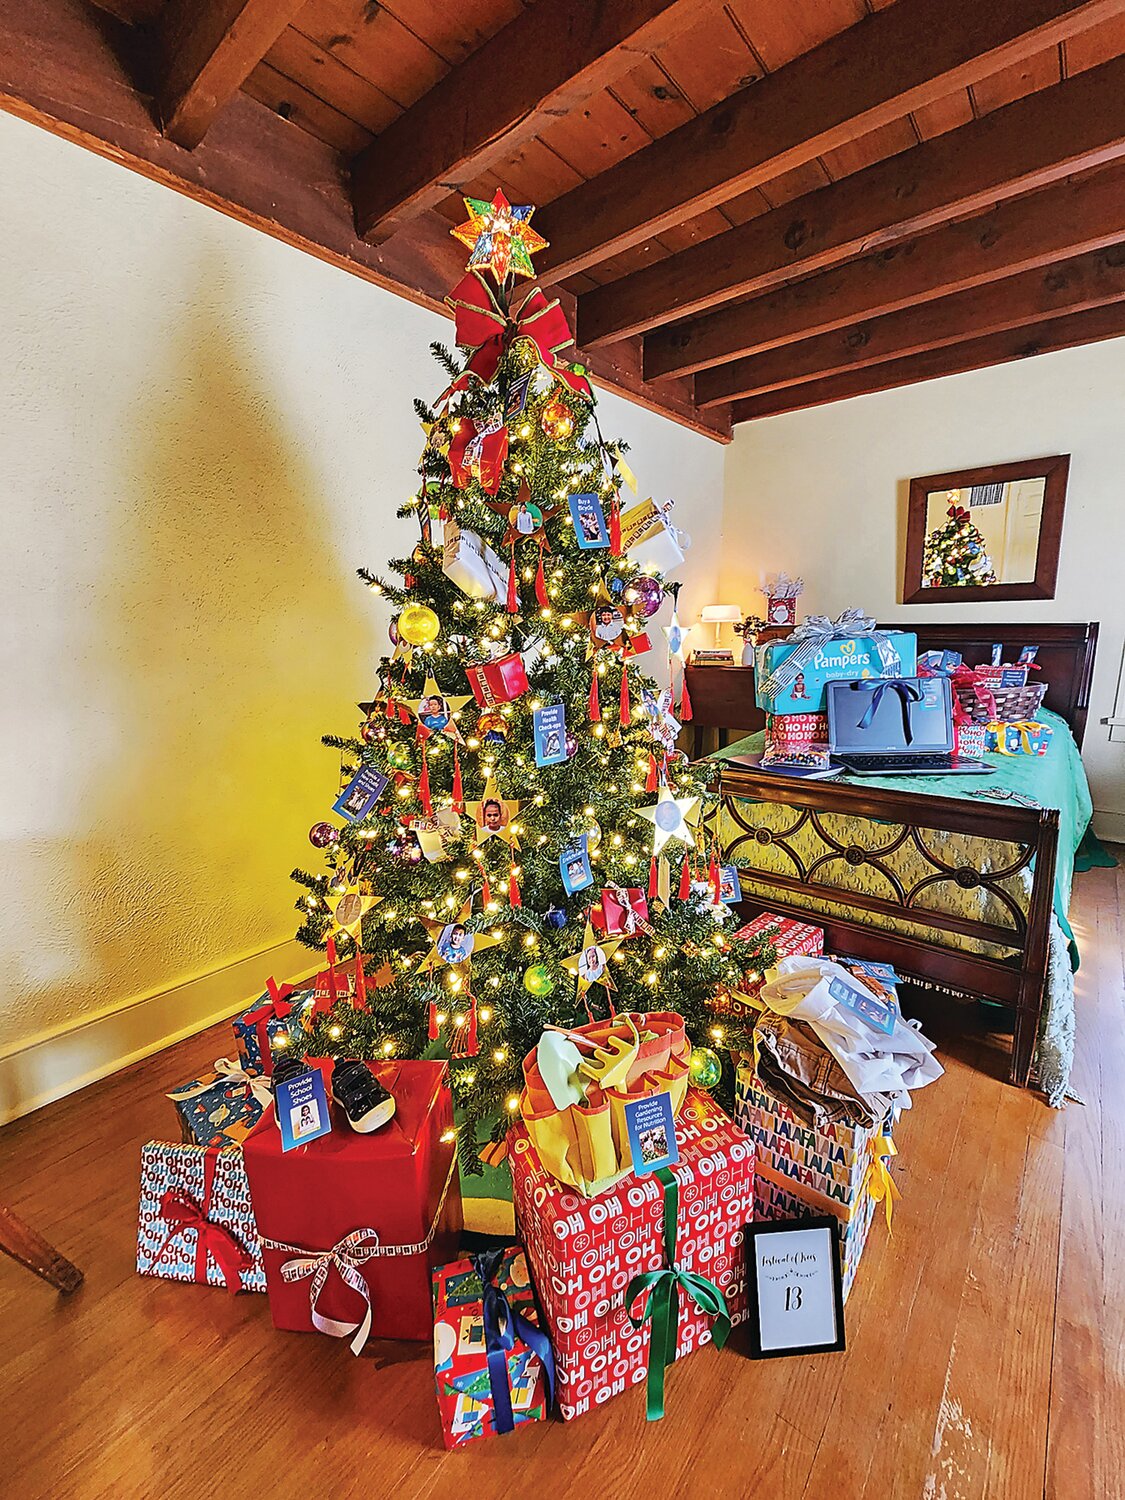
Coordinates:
(493, 1363)
(499, 681)
(273, 1023)
(222, 1107)
(585, 1253)
(195, 1221)
(796, 731)
(352, 1225)
(620, 911)
(787, 937)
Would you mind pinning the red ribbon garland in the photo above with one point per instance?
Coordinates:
(179, 1209)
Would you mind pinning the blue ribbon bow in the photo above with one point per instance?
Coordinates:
(907, 693)
(502, 1326)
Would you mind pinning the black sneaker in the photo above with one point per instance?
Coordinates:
(360, 1095)
(284, 1069)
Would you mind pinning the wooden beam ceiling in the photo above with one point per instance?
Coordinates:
(549, 60)
(1068, 286)
(1039, 139)
(1074, 216)
(981, 353)
(205, 51)
(910, 55)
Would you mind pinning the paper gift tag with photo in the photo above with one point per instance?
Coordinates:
(590, 529)
(517, 396)
(574, 865)
(361, 794)
(302, 1109)
(730, 888)
(652, 1133)
(549, 724)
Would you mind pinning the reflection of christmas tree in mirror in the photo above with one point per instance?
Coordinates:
(955, 554)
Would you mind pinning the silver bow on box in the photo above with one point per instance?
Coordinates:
(813, 634)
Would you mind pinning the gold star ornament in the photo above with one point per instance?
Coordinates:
(348, 908)
(590, 965)
(500, 237)
(437, 711)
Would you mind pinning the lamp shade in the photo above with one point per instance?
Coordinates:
(721, 614)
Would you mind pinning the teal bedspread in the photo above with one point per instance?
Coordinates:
(1057, 779)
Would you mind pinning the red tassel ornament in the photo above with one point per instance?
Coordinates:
(513, 603)
(685, 701)
(685, 879)
(541, 582)
(595, 701)
(626, 706)
(514, 897)
(458, 791)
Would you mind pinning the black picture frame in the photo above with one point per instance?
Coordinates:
(813, 1225)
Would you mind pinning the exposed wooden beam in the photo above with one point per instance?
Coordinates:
(547, 61)
(1071, 218)
(899, 59)
(1068, 128)
(974, 354)
(61, 68)
(205, 51)
(1069, 286)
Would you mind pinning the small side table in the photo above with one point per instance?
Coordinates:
(722, 698)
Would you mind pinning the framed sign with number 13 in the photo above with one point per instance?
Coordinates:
(796, 1293)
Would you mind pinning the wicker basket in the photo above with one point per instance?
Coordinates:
(1013, 704)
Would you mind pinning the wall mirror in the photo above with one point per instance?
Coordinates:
(990, 533)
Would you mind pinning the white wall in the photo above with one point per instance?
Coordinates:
(823, 493)
(204, 433)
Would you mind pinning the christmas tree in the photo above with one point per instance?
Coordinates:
(524, 846)
(955, 553)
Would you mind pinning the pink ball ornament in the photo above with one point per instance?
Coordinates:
(321, 835)
(392, 631)
(646, 595)
(371, 730)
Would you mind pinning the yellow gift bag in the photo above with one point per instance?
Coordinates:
(577, 1083)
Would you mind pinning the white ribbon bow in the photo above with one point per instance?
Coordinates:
(814, 632)
(348, 1256)
(233, 1072)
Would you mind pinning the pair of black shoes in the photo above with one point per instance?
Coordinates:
(354, 1087)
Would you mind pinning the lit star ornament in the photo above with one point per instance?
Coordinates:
(671, 818)
(454, 944)
(500, 237)
(348, 908)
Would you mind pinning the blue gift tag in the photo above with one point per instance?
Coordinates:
(589, 521)
(301, 1104)
(574, 865)
(361, 794)
(730, 888)
(549, 725)
(652, 1133)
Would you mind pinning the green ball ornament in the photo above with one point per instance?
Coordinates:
(537, 981)
(398, 757)
(705, 1067)
(419, 625)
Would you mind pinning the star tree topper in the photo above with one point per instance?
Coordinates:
(671, 818)
(500, 237)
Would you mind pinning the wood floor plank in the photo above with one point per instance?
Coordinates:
(986, 1335)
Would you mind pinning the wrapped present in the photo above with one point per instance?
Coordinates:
(601, 1264)
(788, 938)
(801, 1169)
(195, 1221)
(650, 539)
(790, 675)
(222, 1107)
(493, 1363)
(577, 1083)
(470, 562)
(796, 730)
(272, 1023)
(969, 739)
(781, 594)
(352, 1225)
(1027, 737)
(620, 911)
(498, 681)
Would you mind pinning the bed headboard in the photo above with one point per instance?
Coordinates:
(1066, 657)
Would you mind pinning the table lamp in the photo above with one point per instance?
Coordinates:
(720, 615)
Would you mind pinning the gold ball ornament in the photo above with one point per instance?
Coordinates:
(556, 420)
(418, 625)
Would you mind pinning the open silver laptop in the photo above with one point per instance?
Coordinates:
(896, 726)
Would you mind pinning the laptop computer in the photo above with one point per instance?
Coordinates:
(901, 726)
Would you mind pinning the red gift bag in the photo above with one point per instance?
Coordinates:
(352, 1225)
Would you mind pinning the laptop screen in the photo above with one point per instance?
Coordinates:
(892, 716)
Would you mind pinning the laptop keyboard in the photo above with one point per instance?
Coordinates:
(892, 763)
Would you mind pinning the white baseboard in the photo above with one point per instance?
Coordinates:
(1110, 826)
(59, 1062)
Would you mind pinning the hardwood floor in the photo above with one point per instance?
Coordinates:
(986, 1337)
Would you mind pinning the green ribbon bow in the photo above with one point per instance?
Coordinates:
(662, 1304)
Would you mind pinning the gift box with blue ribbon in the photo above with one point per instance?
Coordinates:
(790, 675)
(492, 1361)
(222, 1107)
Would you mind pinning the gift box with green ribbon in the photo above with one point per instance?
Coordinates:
(649, 1270)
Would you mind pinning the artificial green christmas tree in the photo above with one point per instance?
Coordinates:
(955, 553)
(524, 847)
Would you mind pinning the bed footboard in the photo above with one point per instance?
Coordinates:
(957, 892)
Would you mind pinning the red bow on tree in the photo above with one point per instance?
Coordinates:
(482, 325)
(958, 513)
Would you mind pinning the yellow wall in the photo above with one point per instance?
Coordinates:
(823, 493)
(204, 433)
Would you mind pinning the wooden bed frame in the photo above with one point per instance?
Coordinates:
(1066, 654)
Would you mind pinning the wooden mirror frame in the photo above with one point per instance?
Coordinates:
(1053, 471)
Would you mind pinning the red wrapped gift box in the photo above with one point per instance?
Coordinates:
(585, 1251)
(621, 911)
(796, 730)
(498, 681)
(788, 938)
(399, 1184)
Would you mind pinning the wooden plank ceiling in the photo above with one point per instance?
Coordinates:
(752, 207)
